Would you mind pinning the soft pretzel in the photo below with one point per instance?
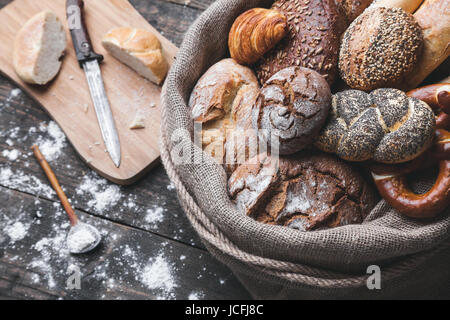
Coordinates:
(393, 186)
(391, 179)
(385, 126)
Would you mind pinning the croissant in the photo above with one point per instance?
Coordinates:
(254, 33)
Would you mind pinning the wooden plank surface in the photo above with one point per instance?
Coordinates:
(146, 214)
(67, 96)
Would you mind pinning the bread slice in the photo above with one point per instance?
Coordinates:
(38, 48)
(140, 50)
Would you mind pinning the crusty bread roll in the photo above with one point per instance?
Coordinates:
(407, 5)
(379, 49)
(140, 50)
(292, 108)
(434, 19)
(385, 126)
(38, 48)
(221, 101)
(315, 28)
(306, 191)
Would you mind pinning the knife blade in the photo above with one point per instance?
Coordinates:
(89, 61)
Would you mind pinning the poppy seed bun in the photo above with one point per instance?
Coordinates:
(385, 126)
(379, 48)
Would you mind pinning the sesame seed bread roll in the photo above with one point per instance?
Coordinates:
(434, 19)
(379, 49)
(407, 5)
(313, 39)
(138, 49)
(38, 48)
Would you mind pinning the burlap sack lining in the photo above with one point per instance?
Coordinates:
(334, 258)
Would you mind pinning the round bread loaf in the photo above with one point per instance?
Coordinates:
(385, 126)
(222, 101)
(379, 48)
(315, 28)
(292, 107)
(305, 192)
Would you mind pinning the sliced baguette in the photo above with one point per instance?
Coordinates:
(140, 50)
(38, 48)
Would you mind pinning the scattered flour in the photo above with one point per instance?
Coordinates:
(195, 295)
(103, 195)
(158, 275)
(51, 146)
(154, 215)
(20, 181)
(11, 155)
(16, 231)
(80, 238)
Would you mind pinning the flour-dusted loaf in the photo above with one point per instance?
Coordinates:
(306, 191)
(385, 125)
(292, 107)
(221, 102)
(380, 48)
(315, 28)
(140, 50)
(38, 48)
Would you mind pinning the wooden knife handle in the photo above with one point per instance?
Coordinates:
(80, 36)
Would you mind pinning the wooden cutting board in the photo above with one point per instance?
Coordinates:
(66, 97)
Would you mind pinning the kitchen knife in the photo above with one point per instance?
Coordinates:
(89, 61)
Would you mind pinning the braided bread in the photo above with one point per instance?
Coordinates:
(385, 125)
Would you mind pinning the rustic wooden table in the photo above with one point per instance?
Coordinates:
(149, 250)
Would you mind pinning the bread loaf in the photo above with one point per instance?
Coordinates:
(140, 50)
(353, 8)
(292, 108)
(379, 49)
(254, 33)
(315, 27)
(304, 192)
(222, 101)
(385, 126)
(407, 5)
(38, 47)
(434, 19)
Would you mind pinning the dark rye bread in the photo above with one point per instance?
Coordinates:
(306, 192)
(315, 28)
(379, 48)
(385, 126)
(292, 108)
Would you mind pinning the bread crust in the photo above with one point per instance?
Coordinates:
(141, 45)
(379, 49)
(222, 102)
(307, 192)
(292, 107)
(353, 8)
(28, 49)
(315, 28)
(434, 19)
